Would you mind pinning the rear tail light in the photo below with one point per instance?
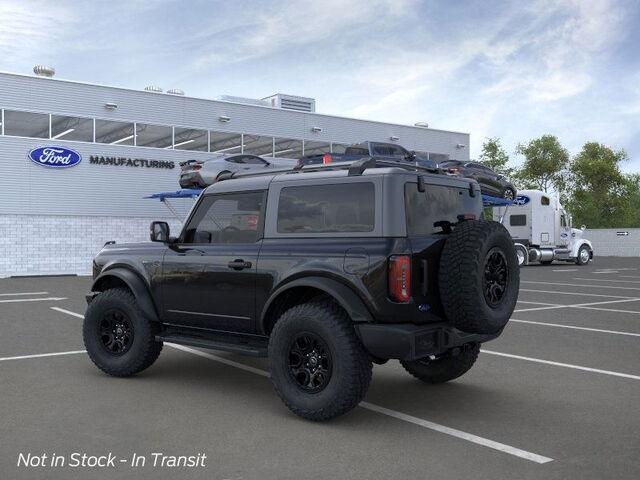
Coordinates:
(399, 278)
(197, 166)
(455, 170)
(326, 159)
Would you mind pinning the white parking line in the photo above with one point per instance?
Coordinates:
(609, 310)
(574, 327)
(41, 355)
(565, 365)
(533, 457)
(540, 303)
(485, 442)
(68, 312)
(23, 293)
(607, 280)
(629, 276)
(580, 294)
(566, 270)
(583, 286)
(48, 299)
(580, 305)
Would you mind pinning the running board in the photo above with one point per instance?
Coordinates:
(257, 348)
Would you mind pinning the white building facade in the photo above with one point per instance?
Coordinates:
(126, 144)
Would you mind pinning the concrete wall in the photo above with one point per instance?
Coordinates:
(613, 242)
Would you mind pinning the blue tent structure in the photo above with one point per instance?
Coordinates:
(488, 201)
(184, 193)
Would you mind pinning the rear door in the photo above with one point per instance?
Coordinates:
(208, 278)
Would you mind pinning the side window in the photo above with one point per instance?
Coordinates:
(226, 218)
(253, 160)
(518, 220)
(327, 208)
(563, 221)
(544, 200)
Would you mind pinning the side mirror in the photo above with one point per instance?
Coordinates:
(583, 227)
(159, 232)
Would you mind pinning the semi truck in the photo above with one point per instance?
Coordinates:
(542, 230)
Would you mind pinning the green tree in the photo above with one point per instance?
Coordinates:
(601, 196)
(495, 157)
(545, 164)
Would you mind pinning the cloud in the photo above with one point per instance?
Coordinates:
(29, 29)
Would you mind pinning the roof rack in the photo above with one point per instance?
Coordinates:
(354, 168)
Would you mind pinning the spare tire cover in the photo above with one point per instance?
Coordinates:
(479, 277)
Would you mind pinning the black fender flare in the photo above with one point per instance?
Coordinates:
(137, 286)
(345, 296)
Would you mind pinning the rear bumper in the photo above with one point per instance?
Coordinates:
(190, 179)
(407, 341)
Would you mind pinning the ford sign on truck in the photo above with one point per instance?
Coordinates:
(55, 157)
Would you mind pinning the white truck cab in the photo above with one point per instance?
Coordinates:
(541, 230)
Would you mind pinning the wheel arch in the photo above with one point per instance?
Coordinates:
(303, 289)
(124, 277)
(579, 244)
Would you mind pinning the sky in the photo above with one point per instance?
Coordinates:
(514, 70)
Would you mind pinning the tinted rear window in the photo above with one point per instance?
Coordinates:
(436, 204)
(327, 208)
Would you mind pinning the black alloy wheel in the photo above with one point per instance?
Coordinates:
(508, 194)
(495, 277)
(116, 332)
(310, 363)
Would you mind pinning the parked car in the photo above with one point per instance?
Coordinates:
(377, 150)
(491, 183)
(322, 272)
(202, 173)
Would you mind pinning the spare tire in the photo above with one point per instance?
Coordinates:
(479, 277)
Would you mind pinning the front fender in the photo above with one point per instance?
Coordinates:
(578, 244)
(135, 283)
(345, 296)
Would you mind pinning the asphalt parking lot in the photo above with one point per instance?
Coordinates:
(557, 396)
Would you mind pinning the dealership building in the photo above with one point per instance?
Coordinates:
(77, 159)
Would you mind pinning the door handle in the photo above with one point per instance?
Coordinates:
(239, 264)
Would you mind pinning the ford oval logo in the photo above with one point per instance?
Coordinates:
(55, 157)
(521, 200)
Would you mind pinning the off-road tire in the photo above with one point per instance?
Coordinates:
(350, 364)
(451, 365)
(462, 277)
(144, 349)
(578, 259)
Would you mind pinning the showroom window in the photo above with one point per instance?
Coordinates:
(190, 139)
(344, 207)
(316, 148)
(157, 136)
(26, 124)
(226, 142)
(257, 145)
(114, 133)
(287, 148)
(71, 128)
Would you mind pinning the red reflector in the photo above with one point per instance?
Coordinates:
(466, 216)
(196, 167)
(399, 278)
(326, 159)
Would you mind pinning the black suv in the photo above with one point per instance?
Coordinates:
(325, 270)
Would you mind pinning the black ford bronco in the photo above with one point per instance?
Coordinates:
(322, 269)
